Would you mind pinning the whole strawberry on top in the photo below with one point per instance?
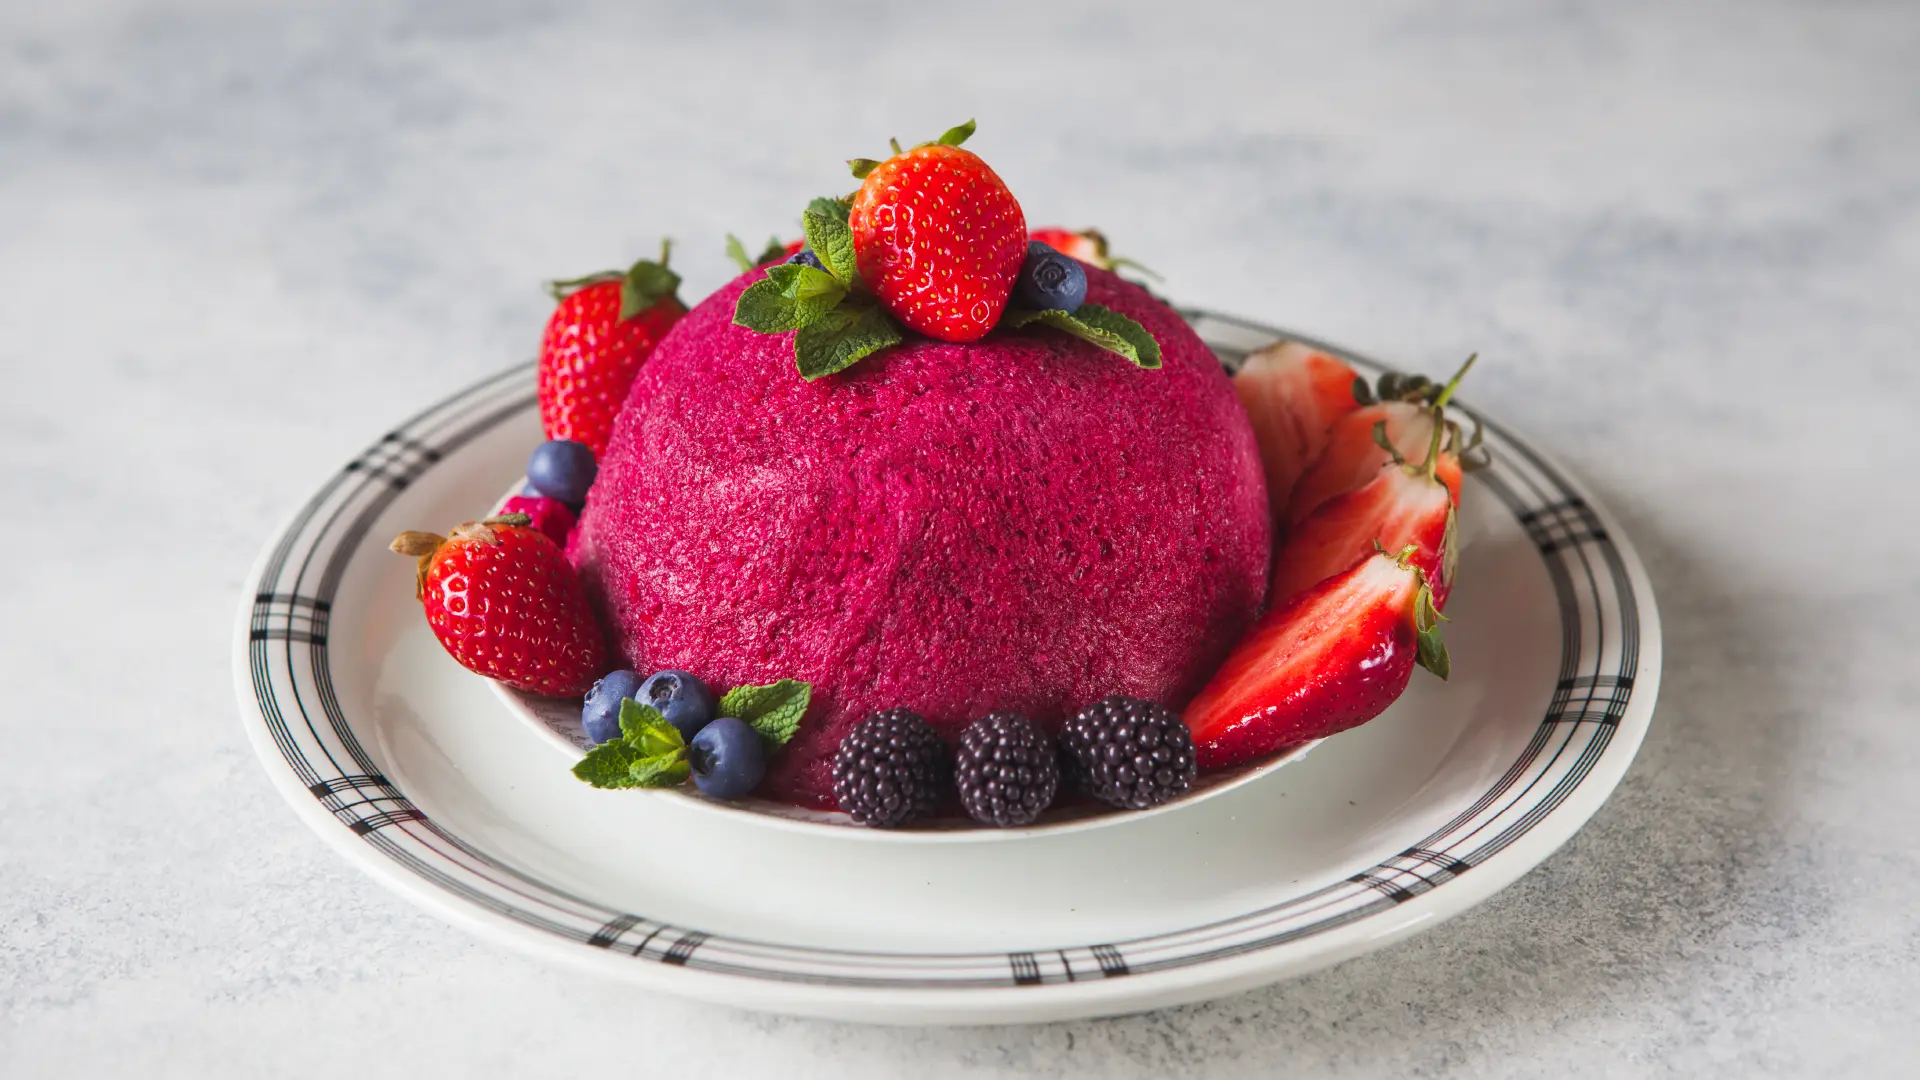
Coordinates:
(506, 604)
(605, 327)
(938, 237)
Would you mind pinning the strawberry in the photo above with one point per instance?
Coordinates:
(1088, 245)
(937, 237)
(1402, 508)
(505, 603)
(1333, 658)
(1369, 439)
(1293, 393)
(606, 326)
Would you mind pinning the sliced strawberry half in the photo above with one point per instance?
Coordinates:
(1369, 439)
(1293, 393)
(1332, 659)
(1409, 507)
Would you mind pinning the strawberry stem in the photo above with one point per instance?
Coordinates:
(1446, 392)
(1433, 447)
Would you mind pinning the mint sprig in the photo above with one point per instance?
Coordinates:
(832, 243)
(1101, 326)
(650, 753)
(843, 337)
(774, 709)
(791, 296)
(773, 252)
(838, 324)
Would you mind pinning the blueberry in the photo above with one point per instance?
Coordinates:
(600, 714)
(561, 469)
(682, 699)
(806, 257)
(728, 758)
(1050, 281)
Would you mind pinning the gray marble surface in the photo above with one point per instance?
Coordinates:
(236, 241)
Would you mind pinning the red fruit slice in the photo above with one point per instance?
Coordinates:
(1352, 458)
(1293, 394)
(1401, 508)
(1089, 246)
(1332, 659)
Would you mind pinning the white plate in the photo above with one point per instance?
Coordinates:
(415, 771)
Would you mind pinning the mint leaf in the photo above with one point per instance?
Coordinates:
(838, 209)
(738, 253)
(608, 765)
(665, 770)
(774, 710)
(806, 287)
(1101, 326)
(650, 753)
(763, 308)
(791, 296)
(832, 241)
(841, 338)
(643, 728)
(774, 252)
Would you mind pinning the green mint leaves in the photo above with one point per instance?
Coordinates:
(842, 338)
(773, 252)
(838, 324)
(1104, 327)
(650, 753)
(831, 241)
(774, 710)
(791, 296)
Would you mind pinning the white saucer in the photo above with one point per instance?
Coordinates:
(414, 770)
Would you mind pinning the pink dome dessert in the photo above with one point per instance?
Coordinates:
(1026, 522)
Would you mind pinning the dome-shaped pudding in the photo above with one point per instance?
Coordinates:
(1027, 522)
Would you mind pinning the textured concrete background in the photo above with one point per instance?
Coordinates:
(236, 242)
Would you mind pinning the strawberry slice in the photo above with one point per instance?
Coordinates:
(1405, 507)
(1368, 440)
(1332, 659)
(1087, 245)
(1293, 393)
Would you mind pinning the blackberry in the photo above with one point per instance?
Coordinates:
(1128, 753)
(890, 769)
(1006, 770)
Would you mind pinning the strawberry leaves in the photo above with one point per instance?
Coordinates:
(1101, 326)
(838, 323)
(1430, 650)
(642, 285)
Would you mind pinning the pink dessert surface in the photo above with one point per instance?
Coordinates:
(1027, 522)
